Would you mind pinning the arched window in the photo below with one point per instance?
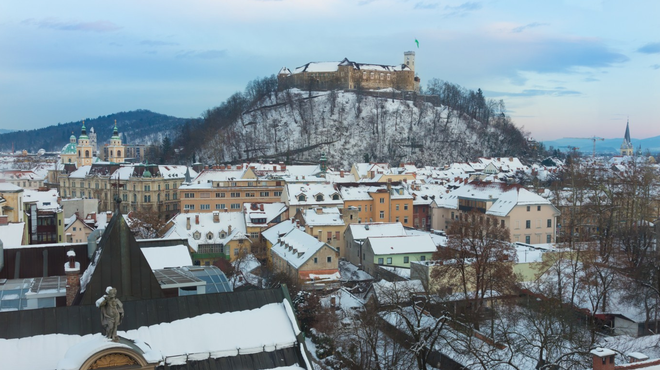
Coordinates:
(111, 153)
(86, 153)
(79, 153)
(319, 198)
(69, 160)
(119, 153)
(302, 198)
(335, 196)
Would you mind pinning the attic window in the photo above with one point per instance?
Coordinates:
(223, 235)
(335, 196)
(209, 235)
(302, 198)
(197, 235)
(319, 198)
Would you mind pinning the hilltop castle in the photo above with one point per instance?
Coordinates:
(351, 75)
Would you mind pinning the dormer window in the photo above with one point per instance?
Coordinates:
(197, 235)
(222, 234)
(209, 236)
(302, 198)
(335, 196)
(319, 197)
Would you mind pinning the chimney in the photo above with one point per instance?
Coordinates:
(188, 223)
(261, 207)
(72, 270)
(216, 217)
(108, 214)
(341, 173)
(319, 211)
(603, 359)
(228, 230)
(196, 219)
(4, 220)
(206, 166)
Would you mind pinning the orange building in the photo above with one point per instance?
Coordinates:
(379, 202)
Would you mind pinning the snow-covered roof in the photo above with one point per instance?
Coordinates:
(503, 197)
(405, 244)
(190, 339)
(164, 257)
(262, 211)
(45, 200)
(204, 180)
(396, 291)
(203, 229)
(21, 175)
(9, 188)
(364, 231)
(297, 247)
(81, 172)
(274, 232)
(12, 234)
(313, 194)
(316, 67)
(323, 217)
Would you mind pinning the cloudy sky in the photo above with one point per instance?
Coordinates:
(563, 68)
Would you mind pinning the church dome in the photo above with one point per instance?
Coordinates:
(70, 148)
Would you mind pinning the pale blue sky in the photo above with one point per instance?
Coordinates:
(564, 68)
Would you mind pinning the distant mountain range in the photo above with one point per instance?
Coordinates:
(135, 127)
(607, 146)
(4, 131)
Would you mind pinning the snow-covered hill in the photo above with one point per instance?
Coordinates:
(356, 127)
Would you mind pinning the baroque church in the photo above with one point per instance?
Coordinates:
(83, 151)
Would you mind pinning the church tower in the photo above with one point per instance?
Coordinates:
(626, 146)
(409, 60)
(84, 149)
(116, 150)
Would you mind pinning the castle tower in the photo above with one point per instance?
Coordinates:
(116, 150)
(626, 146)
(84, 149)
(409, 59)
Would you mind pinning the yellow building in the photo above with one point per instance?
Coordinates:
(12, 207)
(227, 189)
(379, 202)
(326, 224)
(85, 149)
(116, 150)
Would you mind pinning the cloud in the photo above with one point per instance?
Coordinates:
(656, 66)
(591, 79)
(528, 26)
(427, 6)
(157, 43)
(462, 10)
(556, 92)
(650, 48)
(206, 54)
(55, 24)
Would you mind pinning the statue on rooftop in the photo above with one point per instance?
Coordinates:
(112, 313)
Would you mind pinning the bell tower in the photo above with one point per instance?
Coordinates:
(116, 150)
(85, 154)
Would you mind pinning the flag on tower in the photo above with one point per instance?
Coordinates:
(417, 42)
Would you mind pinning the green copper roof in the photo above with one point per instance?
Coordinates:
(70, 148)
(146, 173)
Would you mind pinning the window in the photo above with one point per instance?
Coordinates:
(538, 208)
(235, 195)
(204, 195)
(220, 206)
(528, 239)
(302, 198)
(396, 207)
(405, 207)
(188, 195)
(405, 220)
(219, 195)
(548, 238)
(316, 260)
(329, 236)
(422, 258)
(502, 223)
(235, 206)
(528, 224)
(147, 188)
(189, 206)
(397, 219)
(319, 198)
(249, 195)
(329, 259)
(167, 186)
(147, 198)
(337, 235)
(335, 196)
(264, 194)
(528, 208)
(205, 207)
(359, 208)
(406, 259)
(277, 193)
(389, 260)
(235, 251)
(382, 200)
(549, 222)
(382, 215)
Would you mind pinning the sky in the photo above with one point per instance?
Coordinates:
(572, 68)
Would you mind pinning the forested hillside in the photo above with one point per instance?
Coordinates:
(138, 127)
(447, 123)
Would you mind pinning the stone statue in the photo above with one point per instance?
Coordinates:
(112, 313)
